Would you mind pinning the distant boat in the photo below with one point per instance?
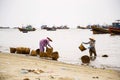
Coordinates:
(4, 27)
(79, 27)
(26, 29)
(99, 30)
(115, 28)
(51, 29)
(63, 27)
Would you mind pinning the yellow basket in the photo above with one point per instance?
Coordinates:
(82, 48)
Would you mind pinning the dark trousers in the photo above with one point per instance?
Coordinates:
(92, 51)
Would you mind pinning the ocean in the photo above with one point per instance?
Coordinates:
(66, 42)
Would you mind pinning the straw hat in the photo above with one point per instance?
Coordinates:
(92, 39)
(49, 39)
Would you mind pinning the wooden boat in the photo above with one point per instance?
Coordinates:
(115, 28)
(99, 30)
(63, 27)
(23, 29)
(26, 29)
(51, 29)
(79, 27)
(48, 28)
(4, 27)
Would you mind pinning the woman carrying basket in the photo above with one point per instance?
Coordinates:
(91, 47)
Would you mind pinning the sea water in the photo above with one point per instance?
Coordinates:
(66, 42)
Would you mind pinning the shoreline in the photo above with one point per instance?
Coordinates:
(17, 67)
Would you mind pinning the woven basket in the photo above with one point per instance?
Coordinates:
(82, 48)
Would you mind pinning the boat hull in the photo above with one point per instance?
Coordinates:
(99, 30)
(114, 30)
(26, 30)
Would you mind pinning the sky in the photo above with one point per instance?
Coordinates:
(15, 13)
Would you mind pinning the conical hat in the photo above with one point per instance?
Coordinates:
(91, 38)
(49, 39)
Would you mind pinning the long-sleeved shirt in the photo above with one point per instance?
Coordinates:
(92, 43)
(44, 43)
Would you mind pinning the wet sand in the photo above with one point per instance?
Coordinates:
(22, 67)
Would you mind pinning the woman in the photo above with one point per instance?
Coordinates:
(44, 43)
(91, 47)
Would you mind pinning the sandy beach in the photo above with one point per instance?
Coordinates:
(22, 67)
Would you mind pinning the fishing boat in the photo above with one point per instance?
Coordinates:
(26, 29)
(115, 28)
(51, 29)
(99, 30)
(79, 27)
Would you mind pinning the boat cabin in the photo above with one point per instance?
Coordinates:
(117, 25)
